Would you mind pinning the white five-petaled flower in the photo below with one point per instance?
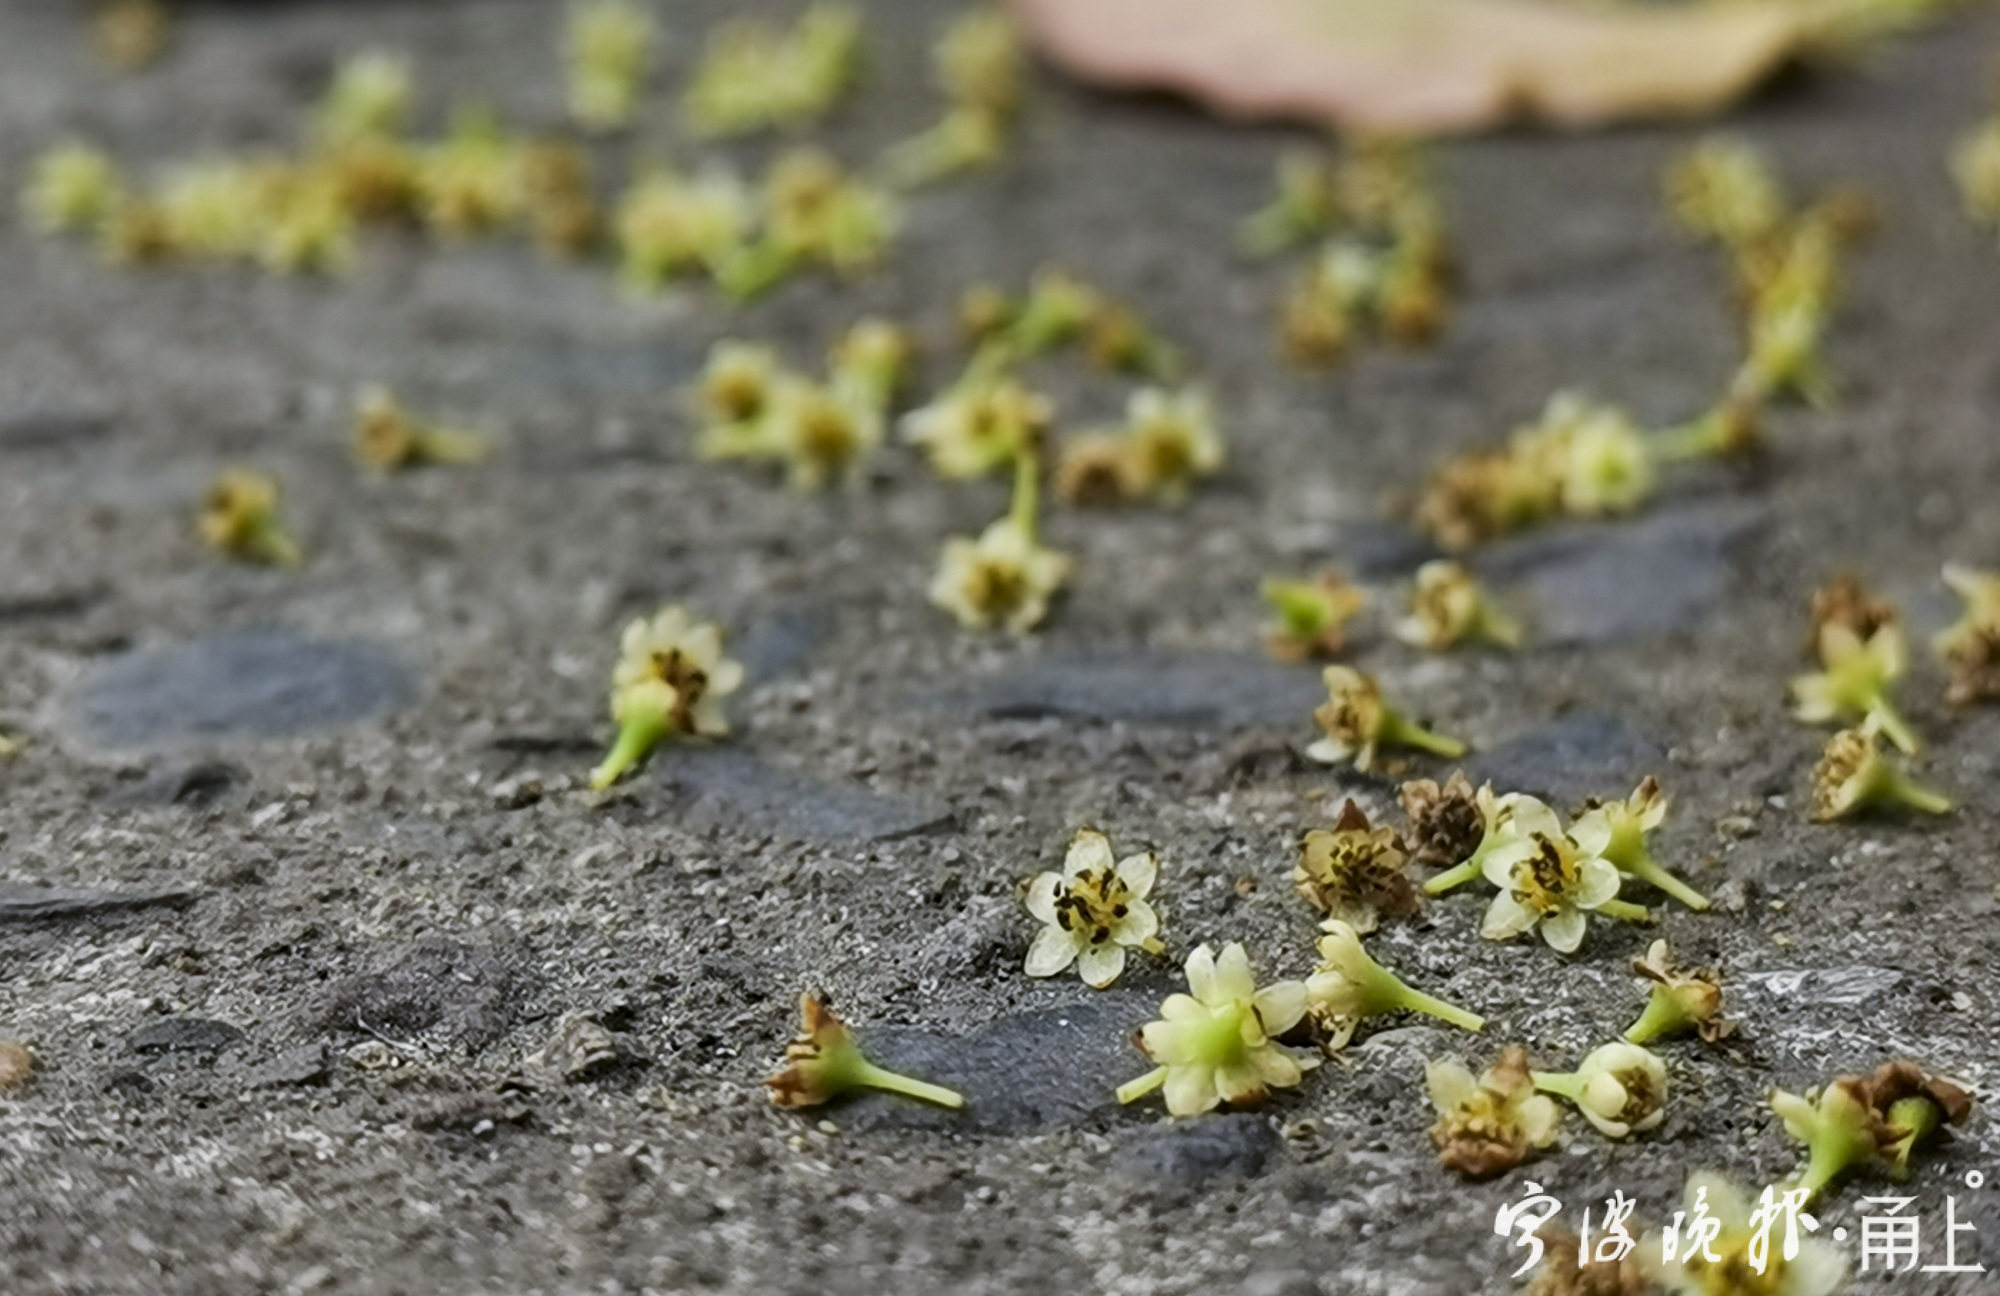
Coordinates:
(1549, 878)
(1094, 911)
(1218, 1043)
(1003, 578)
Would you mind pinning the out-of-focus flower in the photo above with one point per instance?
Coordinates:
(670, 681)
(1357, 722)
(1855, 680)
(239, 517)
(608, 44)
(1854, 777)
(1448, 607)
(1312, 615)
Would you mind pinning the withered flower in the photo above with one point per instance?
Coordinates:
(1861, 1121)
(1489, 1124)
(1681, 1000)
(823, 1062)
(1446, 823)
(1354, 872)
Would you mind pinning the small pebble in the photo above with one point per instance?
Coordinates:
(17, 1065)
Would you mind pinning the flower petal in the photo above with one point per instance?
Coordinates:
(1564, 929)
(1276, 1068)
(1140, 924)
(1089, 851)
(1240, 1082)
(1506, 918)
(1138, 873)
(1054, 949)
(1450, 1083)
(1099, 965)
(1233, 980)
(1538, 1118)
(1200, 971)
(1171, 1044)
(1041, 899)
(1592, 833)
(1180, 1007)
(1599, 883)
(1280, 1005)
(1817, 1270)
(1328, 752)
(1503, 859)
(726, 678)
(1190, 1090)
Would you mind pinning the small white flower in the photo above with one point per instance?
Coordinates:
(1218, 1044)
(1620, 1088)
(1003, 578)
(1094, 911)
(1548, 877)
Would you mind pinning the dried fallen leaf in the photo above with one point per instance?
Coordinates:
(1430, 66)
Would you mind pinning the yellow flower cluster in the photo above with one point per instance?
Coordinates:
(806, 212)
(1384, 262)
(756, 75)
(978, 67)
(748, 407)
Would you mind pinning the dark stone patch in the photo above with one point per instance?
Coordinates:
(1020, 1074)
(183, 1035)
(21, 903)
(49, 604)
(1612, 582)
(464, 994)
(1196, 691)
(1583, 754)
(254, 683)
(733, 788)
(47, 429)
(201, 783)
(1377, 549)
(780, 643)
(1189, 1154)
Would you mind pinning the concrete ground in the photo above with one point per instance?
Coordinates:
(307, 916)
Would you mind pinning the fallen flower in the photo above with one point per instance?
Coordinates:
(1970, 646)
(1620, 1088)
(1499, 820)
(71, 188)
(1093, 912)
(1489, 1124)
(1354, 872)
(1448, 607)
(1552, 879)
(1854, 682)
(1846, 601)
(1854, 777)
(1680, 1000)
(823, 1063)
(239, 517)
(387, 437)
(1357, 721)
(978, 427)
(1312, 615)
(609, 45)
(1448, 823)
(1349, 987)
(1862, 1121)
(1174, 441)
(670, 681)
(1219, 1043)
(1630, 821)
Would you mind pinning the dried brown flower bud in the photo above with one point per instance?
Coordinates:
(1446, 823)
(1844, 600)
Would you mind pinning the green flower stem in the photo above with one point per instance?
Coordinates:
(1133, 1090)
(268, 543)
(637, 737)
(1664, 1015)
(445, 445)
(1835, 1146)
(1432, 1006)
(1899, 787)
(1625, 911)
(1405, 733)
(1563, 1084)
(1026, 510)
(1457, 875)
(1892, 726)
(866, 1075)
(1643, 866)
